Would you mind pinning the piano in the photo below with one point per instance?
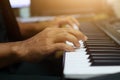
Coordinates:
(99, 55)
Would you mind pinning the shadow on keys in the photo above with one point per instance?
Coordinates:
(106, 77)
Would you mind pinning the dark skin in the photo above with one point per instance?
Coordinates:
(41, 40)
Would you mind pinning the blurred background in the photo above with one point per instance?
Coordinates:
(85, 10)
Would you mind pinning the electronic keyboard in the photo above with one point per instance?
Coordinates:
(99, 55)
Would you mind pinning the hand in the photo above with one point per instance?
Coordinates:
(69, 20)
(60, 22)
(47, 42)
(29, 29)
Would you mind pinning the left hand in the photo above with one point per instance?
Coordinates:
(69, 20)
(29, 29)
(58, 22)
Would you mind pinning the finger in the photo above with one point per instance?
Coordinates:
(79, 35)
(75, 21)
(63, 47)
(68, 37)
(70, 22)
(65, 23)
(67, 20)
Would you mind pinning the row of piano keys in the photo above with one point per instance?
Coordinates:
(102, 50)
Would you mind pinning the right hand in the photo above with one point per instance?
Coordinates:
(47, 42)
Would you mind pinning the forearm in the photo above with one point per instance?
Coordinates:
(7, 54)
(30, 29)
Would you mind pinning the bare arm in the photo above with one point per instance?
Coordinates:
(29, 29)
(39, 46)
(7, 54)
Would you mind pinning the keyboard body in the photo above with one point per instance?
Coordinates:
(98, 56)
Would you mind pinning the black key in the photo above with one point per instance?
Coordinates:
(100, 45)
(100, 38)
(104, 54)
(103, 51)
(99, 42)
(104, 43)
(103, 48)
(95, 34)
(105, 62)
(104, 58)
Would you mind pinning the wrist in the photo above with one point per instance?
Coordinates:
(19, 49)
